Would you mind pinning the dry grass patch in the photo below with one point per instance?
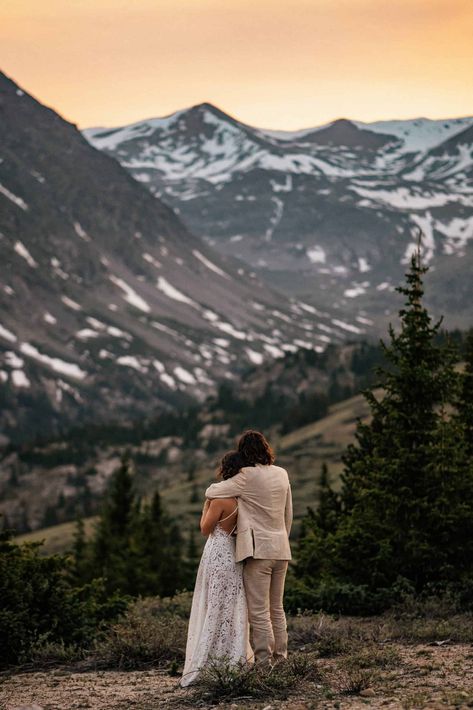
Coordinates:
(353, 681)
(221, 681)
(331, 635)
(385, 658)
(150, 634)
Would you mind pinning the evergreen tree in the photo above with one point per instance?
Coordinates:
(192, 559)
(159, 550)
(328, 508)
(194, 496)
(317, 526)
(191, 469)
(465, 401)
(406, 503)
(111, 549)
(79, 553)
(136, 549)
(50, 516)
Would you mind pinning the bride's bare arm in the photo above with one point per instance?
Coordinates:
(210, 516)
(204, 511)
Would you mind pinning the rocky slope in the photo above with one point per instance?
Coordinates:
(109, 307)
(329, 214)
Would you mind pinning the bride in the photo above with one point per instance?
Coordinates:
(218, 624)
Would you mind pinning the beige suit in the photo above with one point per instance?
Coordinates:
(264, 524)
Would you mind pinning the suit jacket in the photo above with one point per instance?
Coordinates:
(264, 511)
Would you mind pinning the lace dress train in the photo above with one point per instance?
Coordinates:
(218, 624)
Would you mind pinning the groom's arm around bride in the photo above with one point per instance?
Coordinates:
(264, 523)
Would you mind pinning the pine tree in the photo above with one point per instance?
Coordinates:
(79, 553)
(316, 527)
(191, 469)
(465, 401)
(136, 548)
(162, 550)
(150, 546)
(111, 550)
(50, 516)
(328, 508)
(392, 479)
(194, 496)
(406, 501)
(192, 561)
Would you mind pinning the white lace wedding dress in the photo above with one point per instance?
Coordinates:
(218, 624)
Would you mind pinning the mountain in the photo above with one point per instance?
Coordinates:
(328, 214)
(109, 307)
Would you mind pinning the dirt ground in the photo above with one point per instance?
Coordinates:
(426, 676)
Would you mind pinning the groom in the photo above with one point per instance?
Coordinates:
(264, 522)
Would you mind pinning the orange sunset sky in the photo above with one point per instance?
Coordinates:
(271, 63)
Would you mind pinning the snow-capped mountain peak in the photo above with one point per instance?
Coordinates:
(329, 213)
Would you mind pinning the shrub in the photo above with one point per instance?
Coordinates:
(221, 680)
(353, 681)
(40, 606)
(47, 654)
(334, 636)
(179, 605)
(373, 657)
(149, 634)
(338, 597)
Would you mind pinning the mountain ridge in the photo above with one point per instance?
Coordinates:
(330, 215)
(108, 303)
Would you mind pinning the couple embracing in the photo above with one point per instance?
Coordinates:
(237, 609)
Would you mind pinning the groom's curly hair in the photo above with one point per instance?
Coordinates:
(255, 449)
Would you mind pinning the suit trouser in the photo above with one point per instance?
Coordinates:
(264, 587)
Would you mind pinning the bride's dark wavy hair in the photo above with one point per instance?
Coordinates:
(255, 449)
(230, 464)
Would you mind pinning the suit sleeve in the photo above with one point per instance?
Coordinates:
(231, 488)
(288, 510)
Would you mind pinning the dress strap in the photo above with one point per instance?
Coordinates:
(228, 516)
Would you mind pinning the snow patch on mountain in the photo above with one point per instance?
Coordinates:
(457, 231)
(131, 361)
(418, 134)
(18, 201)
(131, 296)
(70, 303)
(172, 292)
(347, 326)
(58, 365)
(254, 357)
(80, 231)
(316, 254)
(110, 138)
(151, 260)
(22, 251)
(19, 379)
(7, 334)
(209, 264)
(184, 376)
